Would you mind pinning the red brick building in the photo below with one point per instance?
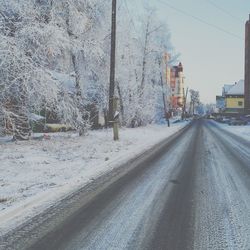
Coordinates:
(177, 87)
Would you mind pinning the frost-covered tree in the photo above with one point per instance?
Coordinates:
(195, 99)
(140, 70)
(49, 49)
(54, 58)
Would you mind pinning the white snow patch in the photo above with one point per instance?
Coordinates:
(242, 131)
(35, 174)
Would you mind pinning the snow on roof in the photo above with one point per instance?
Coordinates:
(237, 89)
(227, 87)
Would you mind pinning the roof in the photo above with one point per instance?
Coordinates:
(237, 89)
(226, 88)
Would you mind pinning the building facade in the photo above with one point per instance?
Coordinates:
(177, 87)
(220, 103)
(167, 58)
(234, 98)
(247, 68)
(221, 100)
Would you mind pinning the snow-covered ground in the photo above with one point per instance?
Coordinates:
(37, 173)
(242, 131)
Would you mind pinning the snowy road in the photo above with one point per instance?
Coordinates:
(195, 196)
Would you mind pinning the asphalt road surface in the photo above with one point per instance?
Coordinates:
(196, 195)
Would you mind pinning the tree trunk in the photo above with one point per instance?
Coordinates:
(144, 58)
(22, 126)
(19, 116)
(77, 77)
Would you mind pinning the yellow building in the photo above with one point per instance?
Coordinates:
(235, 98)
(236, 102)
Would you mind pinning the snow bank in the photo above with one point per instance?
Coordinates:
(37, 173)
(242, 131)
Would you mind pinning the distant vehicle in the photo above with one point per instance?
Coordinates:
(196, 117)
(246, 118)
(219, 119)
(56, 128)
(225, 120)
(236, 121)
(210, 117)
(222, 120)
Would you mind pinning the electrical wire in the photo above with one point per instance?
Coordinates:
(201, 20)
(224, 11)
(132, 21)
(130, 16)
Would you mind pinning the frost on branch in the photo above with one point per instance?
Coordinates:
(54, 61)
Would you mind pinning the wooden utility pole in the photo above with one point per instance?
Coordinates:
(112, 101)
(163, 91)
(163, 96)
(247, 68)
(116, 120)
(112, 61)
(185, 103)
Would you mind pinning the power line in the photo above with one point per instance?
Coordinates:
(201, 20)
(130, 16)
(223, 10)
(132, 21)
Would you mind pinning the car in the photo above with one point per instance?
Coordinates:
(225, 120)
(210, 117)
(196, 117)
(219, 119)
(236, 121)
(245, 118)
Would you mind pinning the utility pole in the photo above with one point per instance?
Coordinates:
(112, 111)
(112, 61)
(163, 92)
(247, 68)
(185, 103)
(163, 96)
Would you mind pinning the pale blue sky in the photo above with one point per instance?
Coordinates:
(210, 57)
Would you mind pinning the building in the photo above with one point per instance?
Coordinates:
(177, 87)
(167, 59)
(226, 88)
(234, 98)
(220, 103)
(221, 100)
(247, 68)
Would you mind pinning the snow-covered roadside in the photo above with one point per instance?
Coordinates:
(242, 131)
(35, 174)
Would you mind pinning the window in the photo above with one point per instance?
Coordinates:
(240, 103)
